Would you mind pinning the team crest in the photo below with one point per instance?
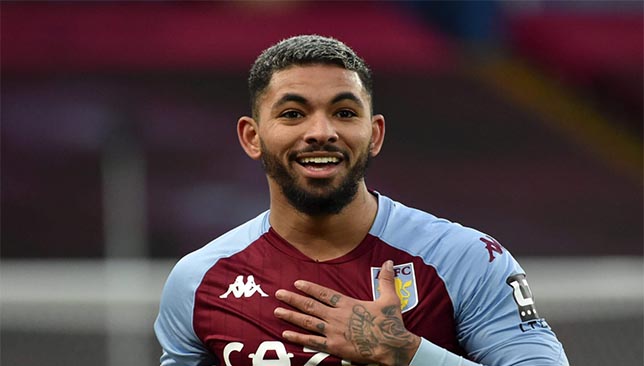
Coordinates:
(405, 281)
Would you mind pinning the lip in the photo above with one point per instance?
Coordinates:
(324, 171)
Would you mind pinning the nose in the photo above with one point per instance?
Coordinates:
(320, 130)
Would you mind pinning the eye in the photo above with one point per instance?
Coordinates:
(291, 114)
(346, 113)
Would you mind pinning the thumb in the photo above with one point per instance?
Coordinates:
(386, 282)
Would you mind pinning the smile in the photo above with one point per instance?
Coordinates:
(319, 164)
(319, 160)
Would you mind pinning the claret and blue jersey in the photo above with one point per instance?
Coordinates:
(459, 289)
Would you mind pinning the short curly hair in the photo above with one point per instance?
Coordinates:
(304, 50)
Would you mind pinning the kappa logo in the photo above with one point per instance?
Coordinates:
(241, 289)
(492, 246)
(405, 282)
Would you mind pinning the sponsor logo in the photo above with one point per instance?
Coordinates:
(239, 288)
(523, 297)
(405, 281)
(275, 353)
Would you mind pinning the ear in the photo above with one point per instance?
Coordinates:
(377, 133)
(247, 132)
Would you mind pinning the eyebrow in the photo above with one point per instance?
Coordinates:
(290, 97)
(347, 96)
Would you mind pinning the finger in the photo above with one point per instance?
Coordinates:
(324, 294)
(386, 282)
(305, 304)
(303, 321)
(311, 341)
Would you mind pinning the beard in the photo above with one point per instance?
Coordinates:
(323, 199)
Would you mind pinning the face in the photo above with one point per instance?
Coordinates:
(315, 136)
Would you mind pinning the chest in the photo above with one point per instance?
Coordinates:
(234, 304)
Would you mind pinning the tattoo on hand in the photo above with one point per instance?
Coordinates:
(367, 332)
(361, 329)
(319, 346)
(320, 327)
(393, 329)
(334, 299)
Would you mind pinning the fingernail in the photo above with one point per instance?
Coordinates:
(279, 294)
(279, 311)
(389, 265)
(299, 285)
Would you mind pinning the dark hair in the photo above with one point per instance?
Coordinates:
(304, 50)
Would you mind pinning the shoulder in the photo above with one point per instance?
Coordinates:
(423, 234)
(174, 324)
(463, 257)
(493, 306)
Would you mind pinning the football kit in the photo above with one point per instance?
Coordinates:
(460, 290)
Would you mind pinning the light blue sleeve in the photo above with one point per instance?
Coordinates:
(497, 322)
(173, 326)
(487, 287)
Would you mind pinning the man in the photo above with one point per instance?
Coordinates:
(333, 273)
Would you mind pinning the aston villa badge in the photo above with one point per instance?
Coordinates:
(405, 281)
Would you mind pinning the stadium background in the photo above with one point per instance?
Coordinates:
(119, 155)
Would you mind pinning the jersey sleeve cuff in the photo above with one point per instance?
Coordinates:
(431, 354)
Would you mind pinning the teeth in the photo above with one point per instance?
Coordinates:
(320, 160)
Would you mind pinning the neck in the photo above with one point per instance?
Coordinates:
(324, 237)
